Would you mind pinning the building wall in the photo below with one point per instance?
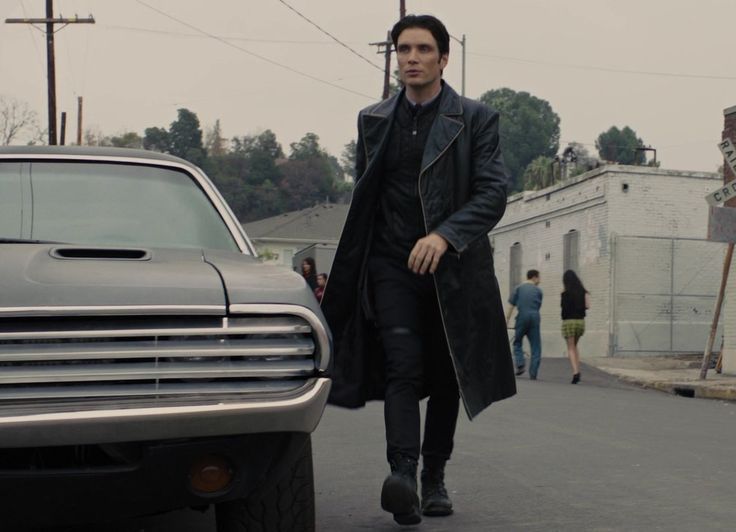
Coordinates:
(615, 200)
(652, 202)
(277, 253)
(539, 220)
(729, 308)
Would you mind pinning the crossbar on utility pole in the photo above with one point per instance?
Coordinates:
(50, 22)
(387, 44)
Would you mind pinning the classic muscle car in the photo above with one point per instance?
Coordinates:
(148, 360)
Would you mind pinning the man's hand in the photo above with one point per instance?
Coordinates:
(426, 254)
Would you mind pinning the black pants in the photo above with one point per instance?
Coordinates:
(417, 362)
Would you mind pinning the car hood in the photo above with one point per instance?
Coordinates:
(42, 279)
(249, 281)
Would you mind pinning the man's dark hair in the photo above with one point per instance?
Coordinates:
(427, 22)
(531, 274)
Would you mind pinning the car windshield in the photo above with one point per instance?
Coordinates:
(107, 204)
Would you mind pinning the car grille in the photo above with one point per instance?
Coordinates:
(73, 359)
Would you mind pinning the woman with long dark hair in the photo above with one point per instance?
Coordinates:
(574, 301)
(309, 272)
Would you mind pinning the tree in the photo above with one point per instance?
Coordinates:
(16, 119)
(620, 146)
(539, 173)
(529, 128)
(347, 159)
(129, 139)
(254, 158)
(214, 143)
(308, 147)
(185, 137)
(305, 183)
(156, 139)
(580, 159)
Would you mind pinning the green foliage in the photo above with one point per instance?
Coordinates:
(347, 159)
(214, 144)
(252, 173)
(580, 160)
(529, 128)
(308, 147)
(185, 137)
(620, 146)
(540, 173)
(129, 139)
(156, 139)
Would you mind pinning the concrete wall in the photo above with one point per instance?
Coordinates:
(539, 220)
(622, 200)
(658, 202)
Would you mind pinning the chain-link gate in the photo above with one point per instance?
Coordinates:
(663, 294)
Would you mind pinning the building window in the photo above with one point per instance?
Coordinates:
(515, 266)
(570, 247)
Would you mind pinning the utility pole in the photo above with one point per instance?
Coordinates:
(462, 43)
(63, 128)
(49, 22)
(387, 66)
(402, 9)
(79, 121)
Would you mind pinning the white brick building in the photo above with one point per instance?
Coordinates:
(635, 235)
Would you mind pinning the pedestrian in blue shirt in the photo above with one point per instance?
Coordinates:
(527, 299)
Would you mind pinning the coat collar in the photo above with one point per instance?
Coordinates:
(445, 129)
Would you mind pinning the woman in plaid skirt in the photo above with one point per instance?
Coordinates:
(575, 300)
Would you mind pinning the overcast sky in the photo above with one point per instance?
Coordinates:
(663, 67)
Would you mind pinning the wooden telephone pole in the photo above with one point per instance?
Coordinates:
(387, 46)
(49, 21)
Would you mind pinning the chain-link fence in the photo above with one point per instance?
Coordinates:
(664, 291)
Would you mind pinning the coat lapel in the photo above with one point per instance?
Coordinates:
(445, 128)
(376, 126)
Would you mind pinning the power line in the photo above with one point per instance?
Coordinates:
(30, 31)
(338, 41)
(199, 36)
(605, 69)
(253, 54)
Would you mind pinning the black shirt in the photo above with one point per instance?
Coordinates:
(399, 221)
(573, 306)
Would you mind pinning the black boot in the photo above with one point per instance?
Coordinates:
(435, 501)
(399, 493)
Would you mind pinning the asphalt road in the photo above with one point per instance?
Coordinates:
(598, 456)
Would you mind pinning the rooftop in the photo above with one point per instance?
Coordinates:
(321, 223)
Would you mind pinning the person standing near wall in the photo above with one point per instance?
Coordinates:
(321, 283)
(309, 272)
(575, 301)
(527, 299)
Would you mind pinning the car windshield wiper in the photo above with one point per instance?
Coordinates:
(26, 241)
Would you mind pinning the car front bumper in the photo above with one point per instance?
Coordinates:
(297, 411)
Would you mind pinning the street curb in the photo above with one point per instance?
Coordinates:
(685, 388)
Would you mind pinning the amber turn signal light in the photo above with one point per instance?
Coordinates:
(210, 474)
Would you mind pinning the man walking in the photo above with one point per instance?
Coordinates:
(412, 300)
(527, 298)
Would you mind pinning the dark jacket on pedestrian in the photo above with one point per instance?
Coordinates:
(462, 187)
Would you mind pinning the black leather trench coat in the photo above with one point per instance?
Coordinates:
(462, 187)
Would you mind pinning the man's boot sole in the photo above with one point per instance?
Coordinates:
(436, 510)
(399, 499)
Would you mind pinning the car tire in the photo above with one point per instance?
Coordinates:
(286, 506)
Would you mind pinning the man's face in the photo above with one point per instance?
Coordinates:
(420, 64)
(536, 280)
